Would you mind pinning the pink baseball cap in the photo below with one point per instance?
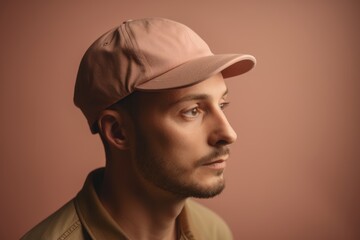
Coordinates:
(150, 54)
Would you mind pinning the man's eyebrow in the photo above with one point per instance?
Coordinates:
(192, 97)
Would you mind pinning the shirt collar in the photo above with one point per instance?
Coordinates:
(98, 222)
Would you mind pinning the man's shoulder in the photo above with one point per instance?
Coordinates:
(63, 224)
(207, 222)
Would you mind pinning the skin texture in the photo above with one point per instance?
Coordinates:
(184, 131)
(176, 147)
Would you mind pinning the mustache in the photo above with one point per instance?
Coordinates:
(216, 153)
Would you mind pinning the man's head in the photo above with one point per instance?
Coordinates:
(153, 90)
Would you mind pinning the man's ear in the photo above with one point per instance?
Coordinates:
(112, 128)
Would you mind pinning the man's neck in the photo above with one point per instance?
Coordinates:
(142, 210)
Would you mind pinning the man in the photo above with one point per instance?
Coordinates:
(155, 93)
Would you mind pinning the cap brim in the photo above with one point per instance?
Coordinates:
(200, 69)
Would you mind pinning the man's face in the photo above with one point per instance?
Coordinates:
(182, 138)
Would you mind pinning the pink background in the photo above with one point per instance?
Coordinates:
(294, 171)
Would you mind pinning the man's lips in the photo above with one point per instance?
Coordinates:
(216, 164)
(215, 157)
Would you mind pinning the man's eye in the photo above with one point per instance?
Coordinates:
(192, 113)
(224, 105)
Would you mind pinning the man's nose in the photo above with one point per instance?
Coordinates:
(221, 131)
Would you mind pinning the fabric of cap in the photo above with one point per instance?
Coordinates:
(147, 55)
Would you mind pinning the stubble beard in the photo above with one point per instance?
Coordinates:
(165, 175)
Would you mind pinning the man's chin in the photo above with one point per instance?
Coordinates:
(209, 193)
(203, 192)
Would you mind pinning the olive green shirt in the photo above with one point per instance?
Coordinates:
(84, 217)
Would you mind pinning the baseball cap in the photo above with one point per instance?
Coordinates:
(150, 54)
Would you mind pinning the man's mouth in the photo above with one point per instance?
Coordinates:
(215, 160)
(216, 164)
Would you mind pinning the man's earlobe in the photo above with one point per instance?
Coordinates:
(111, 127)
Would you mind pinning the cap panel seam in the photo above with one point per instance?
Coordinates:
(137, 51)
